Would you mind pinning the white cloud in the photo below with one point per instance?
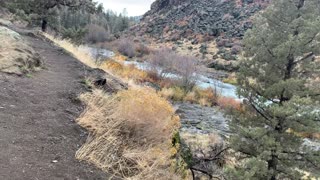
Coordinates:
(134, 7)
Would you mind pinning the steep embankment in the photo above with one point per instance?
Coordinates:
(176, 19)
(38, 135)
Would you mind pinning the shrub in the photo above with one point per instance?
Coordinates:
(74, 34)
(179, 93)
(222, 42)
(231, 80)
(96, 34)
(191, 97)
(209, 94)
(127, 72)
(236, 49)
(186, 69)
(131, 133)
(229, 103)
(205, 102)
(174, 93)
(162, 62)
(167, 82)
(204, 97)
(167, 93)
(113, 66)
(142, 50)
(165, 62)
(126, 47)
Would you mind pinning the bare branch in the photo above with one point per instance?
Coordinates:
(307, 56)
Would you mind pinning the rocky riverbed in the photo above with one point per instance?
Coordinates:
(196, 119)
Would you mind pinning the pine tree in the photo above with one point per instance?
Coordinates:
(276, 80)
(42, 7)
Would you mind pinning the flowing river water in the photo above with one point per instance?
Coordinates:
(195, 119)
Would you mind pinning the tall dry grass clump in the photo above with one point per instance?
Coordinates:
(130, 133)
(127, 72)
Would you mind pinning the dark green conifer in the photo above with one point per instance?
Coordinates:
(277, 79)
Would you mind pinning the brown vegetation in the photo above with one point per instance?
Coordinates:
(165, 62)
(130, 133)
(129, 72)
(97, 34)
(126, 47)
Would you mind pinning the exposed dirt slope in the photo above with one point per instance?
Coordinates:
(38, 135)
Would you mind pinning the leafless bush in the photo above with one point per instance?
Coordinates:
(166, 63)
(162, 62)
(186, 69)
(126, 47)
(96, 34)
(142, 50)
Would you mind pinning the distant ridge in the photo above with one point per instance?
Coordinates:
(199, 20)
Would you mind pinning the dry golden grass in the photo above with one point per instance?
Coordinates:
(119, 57)
(173, 93)
(112, 67)
(191, 97)
(167, 93)
(201, 141)
(124, 71)
(130, 133)
(208, 94)
(204, 97)
(232, 79)
(82, 56)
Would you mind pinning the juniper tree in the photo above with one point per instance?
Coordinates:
(276, 79)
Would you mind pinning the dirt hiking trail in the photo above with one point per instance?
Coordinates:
(38, 133)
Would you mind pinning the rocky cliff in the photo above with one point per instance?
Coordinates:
(199, 20)
(210, 30)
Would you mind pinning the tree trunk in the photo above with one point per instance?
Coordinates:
(272, 165)
(44, 25)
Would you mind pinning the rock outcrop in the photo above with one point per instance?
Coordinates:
(16, 55)
(199, 20)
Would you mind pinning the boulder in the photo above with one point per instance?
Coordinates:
(16, 55)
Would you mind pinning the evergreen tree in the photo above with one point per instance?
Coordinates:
(276, 79)
(123, 20)
(42, 7)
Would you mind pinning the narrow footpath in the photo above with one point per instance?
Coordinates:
(38, 133)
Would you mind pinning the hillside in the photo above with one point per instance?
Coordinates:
(210, 30)
(199, 20)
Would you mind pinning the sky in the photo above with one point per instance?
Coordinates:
(134, 7)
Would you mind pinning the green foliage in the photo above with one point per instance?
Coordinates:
(276, 80)
(70, 17)
(176, 140)
(74, 34)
